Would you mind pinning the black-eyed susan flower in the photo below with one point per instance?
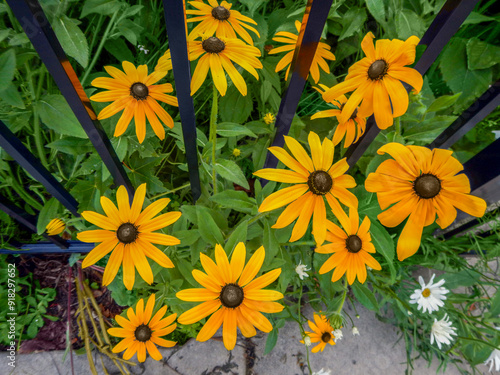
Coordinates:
(221, 20)
(375, 80)
(55, 227)
(314, 181)
(134, 91)
(422, 183)
(128, 233)
(269, 118)
(319, 61)
(165, 62)
(142, 331)
(351, 248)
(322, 333)
(218, 55)
(231, 295)
(347, 129)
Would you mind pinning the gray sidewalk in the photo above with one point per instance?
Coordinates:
(372, 352)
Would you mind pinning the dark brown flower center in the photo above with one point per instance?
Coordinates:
(427, 186)
(127, 233)
(213, 45)
(142, 333)
(139, 91)
(354, 114)
(320, 182)
(377, 70)
(353, 244)
(326, 337)
(220, 13)
(231, 295)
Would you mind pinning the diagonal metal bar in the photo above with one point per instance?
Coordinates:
(313, 23)
(30, 15)
(15, 148)
(175, 20)
(481, 108)
(445, 25)
(45, 248)
(29, 221)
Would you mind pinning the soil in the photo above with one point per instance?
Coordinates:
(53, 271)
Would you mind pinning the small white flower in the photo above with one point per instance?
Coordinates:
(441, 331)
(307, 341)
(355, 331)
(322, 372)
(494, 358)
(338, 335)
(431, 296)
(301, 270)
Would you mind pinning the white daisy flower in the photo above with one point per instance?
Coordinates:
(301, 270)
(441, 331)
(494, 358)
(431, 296)
(355, 331)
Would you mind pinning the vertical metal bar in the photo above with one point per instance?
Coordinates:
(29, 221)
(313, 23)
(34, 22)
(15, 148)
(481, 108)
(443, 27)
(176, 23)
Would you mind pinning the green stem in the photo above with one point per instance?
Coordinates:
(171, 191)
(339, 310)
(110, 27)
(213, 136)
(398, 126)
(22, 193)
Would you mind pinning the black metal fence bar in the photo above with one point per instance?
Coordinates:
(29, 221)
(177, 40)
(445, 25)
(46, 248)
(468, 119)
(16, 149)
(30, 15)
(313, 23)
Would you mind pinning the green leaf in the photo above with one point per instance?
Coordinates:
(87, 194)
(475, 18)
(7, 68)
(238, 235)
(408, 24)
(236, 200)
(377, 10)
(259, 153)
(72, 145)
(462, 278)
(47, 213)
(271, 245)
(230, 171)
(57, 115)
(143, 171)
(235, 107)
(103, 7)
(230, 129)
(72, 39)
(252, 5)
(4, 34)
(258, 127)
(12, 97)
(365, 296)
(443, 102)
(429, 130)
(185, 270)
(384, 245)
(481, 55)
(265, 91)
(119, 49)
(209, 230)
(495, 304)
(272, 339)
(130, 30)
(352, 21)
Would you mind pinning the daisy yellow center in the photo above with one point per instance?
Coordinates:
(353, 244)
(326, 337)
(377, 70)
(320, 182)
(127, 233)
(142, 333)
(426, 292)
(354, 114)
(220, 13)
(139, 91)
(427, 186)
(213, 45)
(231, 295)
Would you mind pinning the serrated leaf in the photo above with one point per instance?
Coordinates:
(47, 213)
(7, 68)
(231, 129)
(365, 296)
(236, 200)
(230, 171)
(377, 10)
(12, 97)
(443, 102)
(481, 55)
(57, 115)
(207, 227)
(72, 39)
(238, 235)
(352, 21)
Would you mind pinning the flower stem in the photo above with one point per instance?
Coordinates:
(213, 136)
(339, 310)
(398, 126)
